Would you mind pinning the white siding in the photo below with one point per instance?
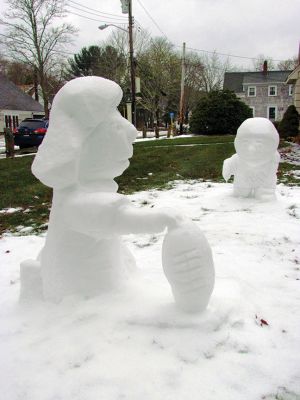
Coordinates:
(20, 114)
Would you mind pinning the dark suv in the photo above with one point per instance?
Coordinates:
(30, 132)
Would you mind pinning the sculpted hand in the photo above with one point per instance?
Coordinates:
(172, 217)
(188, 266)
(226, 172)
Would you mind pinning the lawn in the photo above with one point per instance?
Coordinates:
(155, 164)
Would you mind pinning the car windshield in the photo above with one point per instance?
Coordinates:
(32, 124)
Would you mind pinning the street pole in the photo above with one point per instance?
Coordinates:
(181, 106)
(132, 65)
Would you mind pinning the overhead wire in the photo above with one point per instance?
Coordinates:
(120, 17)
(97, 20)
(194, 49)
(97, 14)
(225, 54)
(152, 19)
(93, 9)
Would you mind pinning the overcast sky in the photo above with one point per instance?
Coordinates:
(243, 28)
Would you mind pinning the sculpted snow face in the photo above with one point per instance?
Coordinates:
(255, 163)
(88, 144)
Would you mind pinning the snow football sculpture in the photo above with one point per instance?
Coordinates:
(88, 144)
(255, 163)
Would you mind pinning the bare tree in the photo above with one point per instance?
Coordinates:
(3, 64)
(258, 63)
(159, 69)
(204, 73)
(213, 71)
(19, 73)
(288, 64)
(194, 80)
(34, 37)
(119, 40)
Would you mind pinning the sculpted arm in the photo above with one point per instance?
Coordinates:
(113, 214)
(130, 219)
(229, 167)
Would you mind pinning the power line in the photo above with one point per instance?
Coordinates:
(198, 50)
(152, 19)
(93, 19)
(93, 9)
(223, 54)
(138, 26)
(97, 14)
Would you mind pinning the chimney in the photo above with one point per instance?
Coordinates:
(265, 67)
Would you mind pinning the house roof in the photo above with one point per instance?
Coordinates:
(12, 98)
(235, 80)
(294, 75)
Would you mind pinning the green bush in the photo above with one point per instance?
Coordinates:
(219, 112)
(276, 124)
(289, 125)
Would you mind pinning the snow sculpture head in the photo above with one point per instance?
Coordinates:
(255, 163)
(87, 138)
(256, 140)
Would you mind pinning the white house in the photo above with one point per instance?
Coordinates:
(15, 105)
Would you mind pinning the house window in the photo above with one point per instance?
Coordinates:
(272, 112)
(272, 91)
(252, 91)
(253, 111)
(290, 90)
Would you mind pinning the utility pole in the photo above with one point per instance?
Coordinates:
(132, 64)
(181, 106)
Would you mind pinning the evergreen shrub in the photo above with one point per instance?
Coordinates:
(289, 125)
(219, 112)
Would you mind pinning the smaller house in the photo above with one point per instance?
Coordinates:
(15, 105)
(35, 93)
(294, 79)
(265, 92)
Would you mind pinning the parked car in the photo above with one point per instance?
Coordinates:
(30, 132)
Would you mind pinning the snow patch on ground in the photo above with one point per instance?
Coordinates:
(10, 210)
(134, 344)
(290, 154)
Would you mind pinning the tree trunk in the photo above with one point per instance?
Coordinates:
(157, 124)
(9, 143)
(44, 94)
(144, 131)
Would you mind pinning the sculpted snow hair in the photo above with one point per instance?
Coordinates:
(79, 107)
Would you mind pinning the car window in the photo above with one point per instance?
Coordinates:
(32, 124)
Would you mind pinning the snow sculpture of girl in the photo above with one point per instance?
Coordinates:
(87, 145)
(255, 163)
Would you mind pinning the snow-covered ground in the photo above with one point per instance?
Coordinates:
(135, 345)
(291, 154)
